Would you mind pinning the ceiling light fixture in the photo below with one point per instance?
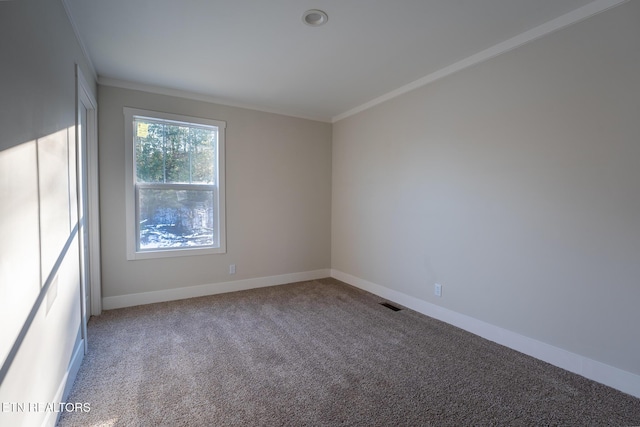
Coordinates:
(315, 17)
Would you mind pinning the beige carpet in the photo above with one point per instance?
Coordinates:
(318, 353)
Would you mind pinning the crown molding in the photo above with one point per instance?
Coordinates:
(179, 93)
(83, 48)
(535, 33)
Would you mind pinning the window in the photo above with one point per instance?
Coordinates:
(175, 185)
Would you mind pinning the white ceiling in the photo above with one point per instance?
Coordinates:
(259, 54)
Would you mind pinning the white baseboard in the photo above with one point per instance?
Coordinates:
(619, 379)
(51, 419)
(120, 301)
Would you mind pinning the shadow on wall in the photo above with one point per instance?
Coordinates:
(38, 223)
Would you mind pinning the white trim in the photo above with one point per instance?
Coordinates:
(120, 301)
(619, 379)
(76, 32)
(64, 388)
(93, 190)
(556, 24)
(179, 93)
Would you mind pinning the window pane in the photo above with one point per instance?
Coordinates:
(149, 145)
(203, 145)
(175, 218)
(177, 154)
(167, 152)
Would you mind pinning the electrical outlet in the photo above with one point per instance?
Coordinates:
(437, 290)
(232, 269)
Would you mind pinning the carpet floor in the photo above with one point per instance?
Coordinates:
(318, 353)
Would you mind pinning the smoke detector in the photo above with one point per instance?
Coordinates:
(315, 17)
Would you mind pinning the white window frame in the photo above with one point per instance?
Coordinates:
(131, 197)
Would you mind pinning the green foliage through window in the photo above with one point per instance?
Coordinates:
(175, 173)
(168, 152)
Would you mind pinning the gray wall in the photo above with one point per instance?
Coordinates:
(515, 184)
(38, 209)
(278, 204)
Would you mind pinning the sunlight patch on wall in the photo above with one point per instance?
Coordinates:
(37, 213)
(19, 231)
(53, 168)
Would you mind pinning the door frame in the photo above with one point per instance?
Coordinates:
(91, 219)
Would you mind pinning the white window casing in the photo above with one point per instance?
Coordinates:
(214, 190)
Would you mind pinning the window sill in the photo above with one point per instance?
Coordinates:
(172, 253)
